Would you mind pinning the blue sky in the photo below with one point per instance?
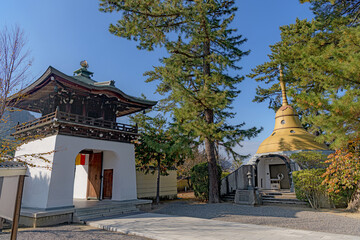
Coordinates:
(62, 33)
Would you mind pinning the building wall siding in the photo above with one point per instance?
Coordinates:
(146, 185)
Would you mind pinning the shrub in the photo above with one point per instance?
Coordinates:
(308, 186)
(342, 177)
(200, 180)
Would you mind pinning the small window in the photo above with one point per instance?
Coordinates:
(292, 131)
(283, 122)
(273, 134)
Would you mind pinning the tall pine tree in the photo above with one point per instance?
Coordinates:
(195, 76)
(321, 60)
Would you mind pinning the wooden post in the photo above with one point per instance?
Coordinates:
(15, 223)
(56, 111)
(1, 224)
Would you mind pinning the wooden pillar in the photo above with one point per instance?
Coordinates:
(15, 223)
(1, 224)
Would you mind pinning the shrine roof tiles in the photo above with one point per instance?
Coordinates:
(83, 81)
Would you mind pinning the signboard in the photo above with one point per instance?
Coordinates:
(8, 191)
(12, 175)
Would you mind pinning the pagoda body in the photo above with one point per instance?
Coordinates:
(272, 162)
(87, 153)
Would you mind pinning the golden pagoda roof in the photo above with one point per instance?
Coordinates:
(288, 134)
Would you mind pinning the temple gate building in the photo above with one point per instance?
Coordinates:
(88, 154)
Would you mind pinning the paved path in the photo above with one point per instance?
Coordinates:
(171, 227)
(288, 217)
(66, 232)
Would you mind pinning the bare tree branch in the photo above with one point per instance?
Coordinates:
(14, 64)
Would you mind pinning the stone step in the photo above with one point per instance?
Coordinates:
(87, 217)
(228, 199)
(282, 200)
(102, 208)
(292, 203)
(279, 197)
(96, 211)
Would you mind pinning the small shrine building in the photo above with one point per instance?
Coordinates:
(272, 162)
(86, 153)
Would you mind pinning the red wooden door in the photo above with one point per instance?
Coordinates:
(94, 176)
(108, 183)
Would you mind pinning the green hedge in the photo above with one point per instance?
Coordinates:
(308, 185)
(200, 180)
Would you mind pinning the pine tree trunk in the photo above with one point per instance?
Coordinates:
(354, 204)
(158, 183)
(214, 196)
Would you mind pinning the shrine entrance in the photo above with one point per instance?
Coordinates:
(279, 176)
(273, 172)
(94, 176)
(91, 180)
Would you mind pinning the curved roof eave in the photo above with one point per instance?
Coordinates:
(52, 70)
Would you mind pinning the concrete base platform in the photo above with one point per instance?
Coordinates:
(42, 218)
(50, 217)
(89, 210)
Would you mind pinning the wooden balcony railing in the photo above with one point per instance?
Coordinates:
(62, 117)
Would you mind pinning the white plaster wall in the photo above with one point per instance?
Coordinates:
(264, 171)
(36, 187)
(81, 179)
(55, 189)
(261, 173)
(122, 162)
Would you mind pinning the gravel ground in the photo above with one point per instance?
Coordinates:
(73, 231)
(289, 217)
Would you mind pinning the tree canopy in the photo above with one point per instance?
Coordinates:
(321, 59)
(157, 150)
(195, 77)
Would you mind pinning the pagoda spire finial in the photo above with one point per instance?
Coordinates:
(283, 87)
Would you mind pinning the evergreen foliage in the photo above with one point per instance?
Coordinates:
(157, 150)
(200, 180)
(320, 59)
(309, 159)
(194, 77)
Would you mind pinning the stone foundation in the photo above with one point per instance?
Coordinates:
(247, 197)
(40, 218)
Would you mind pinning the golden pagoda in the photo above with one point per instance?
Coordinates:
(288, 134)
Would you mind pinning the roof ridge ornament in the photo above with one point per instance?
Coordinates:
(84, 64)
(283, 87)
(83, 70)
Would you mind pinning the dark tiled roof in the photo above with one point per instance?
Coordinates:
(11, 164)
(86, 82)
